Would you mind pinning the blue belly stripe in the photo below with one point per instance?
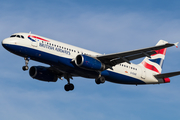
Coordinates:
(57, 60)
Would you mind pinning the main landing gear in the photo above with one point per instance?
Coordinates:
(100, 80)
(69, 86)
(26, 64)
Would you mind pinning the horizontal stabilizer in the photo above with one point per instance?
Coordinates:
(167, 75)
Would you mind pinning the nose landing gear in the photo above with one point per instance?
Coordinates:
(26, 64)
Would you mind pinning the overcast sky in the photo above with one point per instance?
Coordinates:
(104, 26)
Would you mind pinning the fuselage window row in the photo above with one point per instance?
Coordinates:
(62, 47)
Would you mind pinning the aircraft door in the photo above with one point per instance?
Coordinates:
(143, 72)
(34, 43)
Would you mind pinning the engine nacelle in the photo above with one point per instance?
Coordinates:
(89, 63)
(43, 74)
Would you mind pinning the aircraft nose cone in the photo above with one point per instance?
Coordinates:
(3, 43)
(6, 43)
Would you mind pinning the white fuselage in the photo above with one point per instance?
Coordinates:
(45, 47)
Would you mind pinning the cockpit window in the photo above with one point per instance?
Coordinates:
(13, 36)
(19, 36)
(22, 36)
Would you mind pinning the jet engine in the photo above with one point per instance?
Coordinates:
(89, 63)
(43, 74)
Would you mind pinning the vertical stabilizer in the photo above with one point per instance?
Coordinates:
(155, 62)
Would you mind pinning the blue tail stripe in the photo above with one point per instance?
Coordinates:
(158, 61)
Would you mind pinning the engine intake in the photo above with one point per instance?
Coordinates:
(89, 63)
(42, 73)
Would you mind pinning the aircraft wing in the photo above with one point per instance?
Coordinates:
(116, 58)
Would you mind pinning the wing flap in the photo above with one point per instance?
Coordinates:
(129, 58)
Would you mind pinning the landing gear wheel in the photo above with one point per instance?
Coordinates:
(69, 87)
(100, 80)
(25, 68)
(66, 87)
(97, 81)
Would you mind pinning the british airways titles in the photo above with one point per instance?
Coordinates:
(54, 48)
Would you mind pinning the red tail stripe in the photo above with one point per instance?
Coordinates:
(161, 51)
(150, 67)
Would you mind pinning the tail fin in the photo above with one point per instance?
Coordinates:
(155, 62)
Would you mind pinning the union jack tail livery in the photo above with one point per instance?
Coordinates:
(155, 61)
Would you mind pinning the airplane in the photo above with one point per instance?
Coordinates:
(69, 61)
